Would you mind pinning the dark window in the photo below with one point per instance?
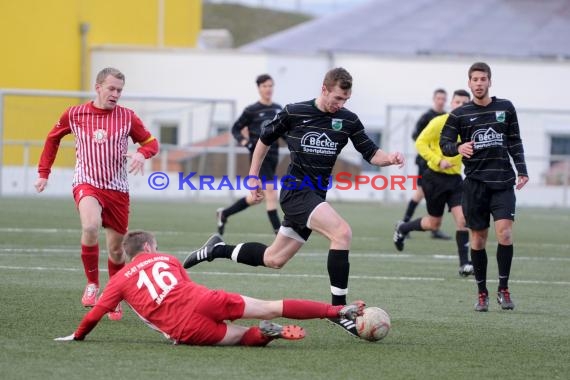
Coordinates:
(169, 134)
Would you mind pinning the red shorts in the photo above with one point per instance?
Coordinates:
(206, 326)
(114, 204)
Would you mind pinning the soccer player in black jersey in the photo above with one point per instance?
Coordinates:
(246, 131)
(489, 138)
(439, 99)
(316, 131)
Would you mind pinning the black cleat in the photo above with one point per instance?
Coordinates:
(399, 237)
(504, 299)
(440, 235)
(346, 324)
(221, 220)
(204, 253)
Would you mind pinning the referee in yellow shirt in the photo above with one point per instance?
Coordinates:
(442, 184)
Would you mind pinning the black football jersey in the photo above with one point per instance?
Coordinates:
(315, 139)
(494, 129)
(254, 117)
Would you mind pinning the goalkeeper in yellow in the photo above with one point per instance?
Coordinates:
(442, 184)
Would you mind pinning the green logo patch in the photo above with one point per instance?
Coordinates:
(500, 116)
(336, 124)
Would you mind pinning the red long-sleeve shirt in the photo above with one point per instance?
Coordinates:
(101, 142)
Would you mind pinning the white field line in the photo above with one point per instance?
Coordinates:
(407, 257)
(290, 275)
(202, 236)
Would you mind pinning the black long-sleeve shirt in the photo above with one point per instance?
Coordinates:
(316, 138)
(254, 117)
(494, 129)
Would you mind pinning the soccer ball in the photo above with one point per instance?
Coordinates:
(373, 325)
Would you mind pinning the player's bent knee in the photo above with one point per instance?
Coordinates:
(505, 236)
(343, 235)
(91, 229)
(274, 263)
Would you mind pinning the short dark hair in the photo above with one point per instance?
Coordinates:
(134, 242)
(338, 76)
(439, 91)
(103, 74)
(262, 79)
(480, 66)
(461, 92)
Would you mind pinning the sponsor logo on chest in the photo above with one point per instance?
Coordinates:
(319, 143)
(486, 138)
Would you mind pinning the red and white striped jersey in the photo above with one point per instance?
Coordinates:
(101, 142)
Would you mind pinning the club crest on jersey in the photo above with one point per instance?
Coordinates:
(500, 116)
(336, 124)
(100, 136)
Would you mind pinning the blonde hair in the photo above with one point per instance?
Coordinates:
(103, 74)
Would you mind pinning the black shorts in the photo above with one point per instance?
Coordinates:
(268, 166)
(480, 202)
(297, 206)
(441, 189)
(422, 167)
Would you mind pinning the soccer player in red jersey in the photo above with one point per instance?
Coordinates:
(159, 291)
(101, 129)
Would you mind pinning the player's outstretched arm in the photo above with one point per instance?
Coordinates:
(382, 158)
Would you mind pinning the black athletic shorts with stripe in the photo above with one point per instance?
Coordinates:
(297, 206)
(441, 189)
(480, 202)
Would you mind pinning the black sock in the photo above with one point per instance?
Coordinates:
(274, 219)
(479, 259)
(410, 210)
(245, 253)
(414, 225)
(223, 251)
(462, 240)
(338, 267)
(504, 260)
(240, 205)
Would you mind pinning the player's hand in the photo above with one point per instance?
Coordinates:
(65, 338)
(41, 184)
(466, 149)
(256, 192)
(444, 164)
(397, 158)
(521, 181)
(137, 163)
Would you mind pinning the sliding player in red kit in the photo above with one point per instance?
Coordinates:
(101, 129)
(159, 291)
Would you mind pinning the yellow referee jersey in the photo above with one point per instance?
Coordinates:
(427, 145)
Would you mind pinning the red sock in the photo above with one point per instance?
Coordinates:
(90, 258)
(254, 337)
(114, 268)
(305, 309)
